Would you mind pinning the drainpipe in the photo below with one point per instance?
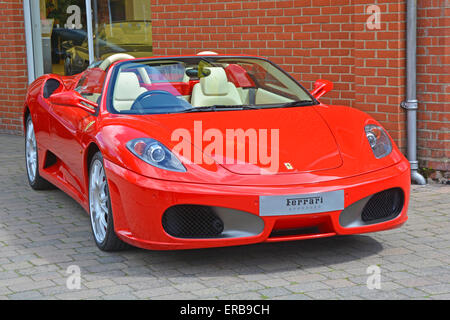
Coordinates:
(411, 103)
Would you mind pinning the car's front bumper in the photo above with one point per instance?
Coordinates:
(139, 204)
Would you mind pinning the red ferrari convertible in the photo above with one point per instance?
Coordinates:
(182, 152)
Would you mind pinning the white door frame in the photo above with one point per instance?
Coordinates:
(90, 32)
(29, 40)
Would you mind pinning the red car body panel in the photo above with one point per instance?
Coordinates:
(144, 229)
(333, 158)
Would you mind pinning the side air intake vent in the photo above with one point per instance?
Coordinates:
(384, 204)
(191, 221)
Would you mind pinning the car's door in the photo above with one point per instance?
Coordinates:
(69, 129)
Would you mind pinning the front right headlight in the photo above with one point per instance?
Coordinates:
(378, 140)
(155, 153)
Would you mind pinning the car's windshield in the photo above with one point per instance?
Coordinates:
(198, 84)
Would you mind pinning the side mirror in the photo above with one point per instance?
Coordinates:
(321, 87)
(73, 99)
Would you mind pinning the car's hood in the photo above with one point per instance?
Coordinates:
(297, 139)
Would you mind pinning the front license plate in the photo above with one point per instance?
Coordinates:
(301, 203)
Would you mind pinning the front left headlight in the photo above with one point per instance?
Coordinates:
(155, 153)
(378, 140)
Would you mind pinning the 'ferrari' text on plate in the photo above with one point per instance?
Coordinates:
(301, 203)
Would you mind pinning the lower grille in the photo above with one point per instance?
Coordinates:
(384, 204)
(294, 232)
(191, 221)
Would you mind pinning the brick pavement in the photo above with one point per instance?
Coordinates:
(43, 233)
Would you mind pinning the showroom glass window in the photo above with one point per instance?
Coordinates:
(61, 35)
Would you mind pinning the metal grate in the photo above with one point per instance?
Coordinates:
(384, 204)
(190, 221)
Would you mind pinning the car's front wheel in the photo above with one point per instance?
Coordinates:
(100, 208)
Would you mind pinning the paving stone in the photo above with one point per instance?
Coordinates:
(293, 297)
(99, 283)
(411, 292)
(323, 294)
(338, 283)
(154, 292)
(189, 286)
(437, 289)
(444, 296)
(242, 296)
(80, 294)
(306, 287)
(120, 296)
(176, 296)
(208, 293)
(26, 295)
(32, 285)
(242, 287)
(273, 292)
(277, 282)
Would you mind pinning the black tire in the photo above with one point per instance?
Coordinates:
(110, 242)
(37, 183)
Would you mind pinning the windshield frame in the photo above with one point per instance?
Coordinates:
(117, 67)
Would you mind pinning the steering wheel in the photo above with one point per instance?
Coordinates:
(155, 100)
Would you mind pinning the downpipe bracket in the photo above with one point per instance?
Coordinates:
(414, 165)
(410, 104)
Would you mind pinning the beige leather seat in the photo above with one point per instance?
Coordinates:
(215, 89)
(127, 90)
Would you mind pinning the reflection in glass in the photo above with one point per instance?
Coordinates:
(119, 27)
(61, 41)
(122, 26)
(62, 25)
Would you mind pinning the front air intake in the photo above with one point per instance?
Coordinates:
(386, 204)
(191, 221)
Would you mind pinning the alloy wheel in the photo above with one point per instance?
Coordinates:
(98, 200)
(31, 151)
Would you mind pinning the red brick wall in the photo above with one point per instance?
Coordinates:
(380, 66)
(309, 42)
(310, 39)
(433, 83)
(13, 67)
